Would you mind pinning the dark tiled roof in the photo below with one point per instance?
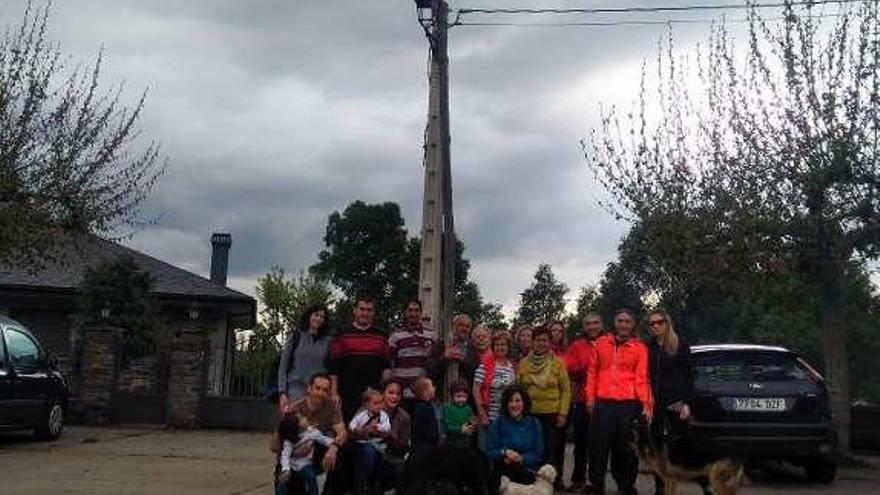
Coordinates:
(85, 252)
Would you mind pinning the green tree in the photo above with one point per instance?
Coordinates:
(366, 252)
(68, 164)
(119, 293)
(493, 317)
(367, 249)
(277, 317)
(283, 301)
(587, 301)
(769, 165)
(618, 290)
(543, 301)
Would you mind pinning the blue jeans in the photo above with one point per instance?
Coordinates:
(305, 476)
(366, 465)
(282, 488)
(309, 479)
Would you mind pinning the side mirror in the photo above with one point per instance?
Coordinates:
(52, 361)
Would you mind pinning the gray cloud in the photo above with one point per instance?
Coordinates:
(276, 113)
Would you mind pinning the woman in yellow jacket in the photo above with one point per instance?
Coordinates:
(545, 378)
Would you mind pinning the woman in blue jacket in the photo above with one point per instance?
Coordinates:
(515, 443)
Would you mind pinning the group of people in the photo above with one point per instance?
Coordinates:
(358, 403)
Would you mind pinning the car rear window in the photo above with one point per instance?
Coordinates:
(748, 366)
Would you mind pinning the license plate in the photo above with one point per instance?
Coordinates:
(758, 404)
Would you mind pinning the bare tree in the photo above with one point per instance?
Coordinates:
(767, 162)
(67, 163)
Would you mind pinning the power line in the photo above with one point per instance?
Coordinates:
(635, 10)
(623, 23)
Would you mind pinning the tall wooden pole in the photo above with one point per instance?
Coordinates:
(437, 264)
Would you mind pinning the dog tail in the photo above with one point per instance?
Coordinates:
(726, 476)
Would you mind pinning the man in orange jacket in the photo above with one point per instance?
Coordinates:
(617, 390)
(577, 359)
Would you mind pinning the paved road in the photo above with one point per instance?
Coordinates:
(105, 461)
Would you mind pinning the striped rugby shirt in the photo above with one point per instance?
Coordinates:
(410, 351)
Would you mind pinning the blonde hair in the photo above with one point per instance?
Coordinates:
(482, 327)
(369, 394)
(670, 340)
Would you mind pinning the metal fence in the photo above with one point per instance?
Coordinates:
(243, 402)
(254, 373)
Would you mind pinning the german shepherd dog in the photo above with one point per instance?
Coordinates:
(723, 474)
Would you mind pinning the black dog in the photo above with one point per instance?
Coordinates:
(467, 469)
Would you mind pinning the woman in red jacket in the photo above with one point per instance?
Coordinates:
(617, 391)
(494, 374)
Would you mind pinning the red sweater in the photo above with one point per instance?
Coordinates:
(577, 360)
(619, 371)
(488, 362)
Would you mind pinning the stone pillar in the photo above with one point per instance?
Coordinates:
(98, 366)
(186, 379)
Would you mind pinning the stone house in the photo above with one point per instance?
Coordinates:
(198, 316)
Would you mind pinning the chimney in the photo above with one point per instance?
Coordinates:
(220, 244)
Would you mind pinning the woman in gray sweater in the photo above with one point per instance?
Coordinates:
(303, 355)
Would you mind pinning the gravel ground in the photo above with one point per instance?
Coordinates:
(130, 461)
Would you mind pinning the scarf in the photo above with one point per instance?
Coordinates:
(538, 368)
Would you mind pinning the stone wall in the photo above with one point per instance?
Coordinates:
(140, 375)
(96, 378)
(187, 377)
(177, 385)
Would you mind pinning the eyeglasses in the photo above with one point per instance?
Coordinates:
(656, 323)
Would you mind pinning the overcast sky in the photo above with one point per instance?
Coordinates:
(274, 113)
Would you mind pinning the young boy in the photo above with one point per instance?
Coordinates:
(425, 430)
(369, 428)
(458, 417)
(370, 425)
(293, 432)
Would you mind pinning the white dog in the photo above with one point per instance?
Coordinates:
(543, 484)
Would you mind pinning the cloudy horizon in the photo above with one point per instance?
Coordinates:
(273, 114)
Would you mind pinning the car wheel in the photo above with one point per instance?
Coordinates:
(52, 424)
(821, 470)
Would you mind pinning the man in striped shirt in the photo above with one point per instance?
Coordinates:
(412, 349)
